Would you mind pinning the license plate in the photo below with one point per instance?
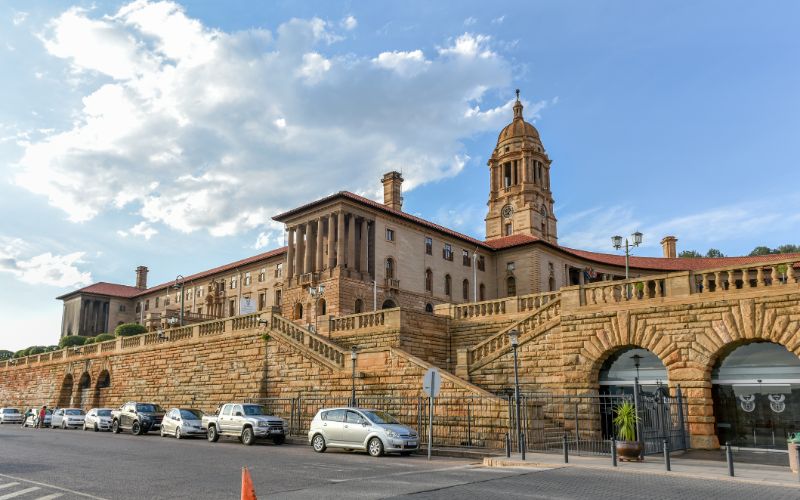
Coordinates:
(411, 443)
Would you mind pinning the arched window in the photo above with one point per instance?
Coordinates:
(428, 308)
(321, 307)
(104, 380)
(511, 286)
(85, 381)
(465, 289)
(390, 268)
(428, 280)
(482, 292)
(298, 311)
(448, 285)
(389, 304)
(359, 308)
(552, 284)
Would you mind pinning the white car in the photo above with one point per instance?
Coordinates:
(183, 422)
(33, 420)
(68, 417)
(375, 431)
(10, 416)
(98, 419)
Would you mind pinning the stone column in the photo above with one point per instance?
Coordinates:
(340, 240)
(301, 246)
(308, 249)
(331, 242)
(363, 264)
(290, 256)
(320, 245)
(351, 242)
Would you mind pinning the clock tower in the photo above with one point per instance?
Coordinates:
(520, 201)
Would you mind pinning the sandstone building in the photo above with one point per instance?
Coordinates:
(411, 294)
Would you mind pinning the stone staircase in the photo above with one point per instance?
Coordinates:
(309, 343)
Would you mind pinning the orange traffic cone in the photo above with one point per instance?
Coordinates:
(248, 491)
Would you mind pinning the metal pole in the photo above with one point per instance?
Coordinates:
(469, 426)
(508, 445)
(353, 393)
(430, 423)
(636, 406)
(524, 445)
(797, 450)
(729, 457)
(613, 451)
(566, 448)
(516, 398)
(667, 465)
(180, 314)
(627, 271)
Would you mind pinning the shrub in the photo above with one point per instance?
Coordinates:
(6, 355)
(104, 337)
(88, 340)
(51, 348)
(37, 349)
(21, 353)
(71, 341)
(129, 329)
(625, 420)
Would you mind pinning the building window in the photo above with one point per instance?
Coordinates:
(279, 270)
(447, 252)
(166, 301)
(262, 301)
(200, 311)
(122, 308)
(322, 307)
(481, 263)
(465, 257)
(233, 282)
(138, 307)
(221, 286)
(465, 289)
(200, 291)
(428, 280)
(510, 267)
(232, 307)
(511, 286)
(359, 308)
(188, 294)
(298, 311)
(262, 275)
(278, 297)
(247, 279)
(481, 292)
(147, 305)
(389, 234)
(158, 302)
(448, 282)
(506, 175)
(390, 268)
(429, 308)
(429, 245)
(509, 230)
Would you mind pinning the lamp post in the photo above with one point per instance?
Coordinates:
(636, 362)
(616, 241)
(179, 286)
(513, 337)
(353, 356)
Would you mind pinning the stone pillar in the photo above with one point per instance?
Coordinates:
(351, 242)
(301, 246)
(308, 249)
(290, 256)
(363, 264)
(340, 240)
(320, 241)
(331, 242)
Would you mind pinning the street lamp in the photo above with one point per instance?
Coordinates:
(636, 362)
(513, 337)
(353, 356)
(179, 286)
(616, 241)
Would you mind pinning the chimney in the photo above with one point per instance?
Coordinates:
(669, 247)
(393, 190)
(141, 277)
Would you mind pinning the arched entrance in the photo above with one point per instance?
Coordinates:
(298, 311)
(619, 371)
(359, 307)
(84, 388)
(756, 394)
(101, 388)
(389, 304)
(65, 394)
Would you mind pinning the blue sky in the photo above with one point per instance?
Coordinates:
(158, 134)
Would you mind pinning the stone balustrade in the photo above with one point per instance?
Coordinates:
(774, 274)
(479, 309)
(325, 349)
(534, 301)
(362, 321)
(496, 307)
(610, 292)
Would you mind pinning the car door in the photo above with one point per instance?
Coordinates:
(88, 421)
(223, 418)
(237, 419)
(56, 419)
(354, 432)
(124, 416)
(167, 425)
(332, 425)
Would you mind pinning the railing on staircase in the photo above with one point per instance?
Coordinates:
(319, 345)
(481, 353)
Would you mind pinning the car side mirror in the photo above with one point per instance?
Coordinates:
(237, 414)
(365, 423)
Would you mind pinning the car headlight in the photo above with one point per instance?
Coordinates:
(263, 424)
(391, 433)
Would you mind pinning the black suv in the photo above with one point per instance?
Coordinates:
(139, 418)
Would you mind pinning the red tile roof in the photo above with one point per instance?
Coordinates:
(103, 288)
(514, 240)
(677, 264)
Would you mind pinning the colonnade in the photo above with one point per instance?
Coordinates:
(93, 317)
(338, 239)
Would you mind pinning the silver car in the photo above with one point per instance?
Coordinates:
(183, 422)
(375, 431)
(10, 416)
(66, 418)
(98, 419)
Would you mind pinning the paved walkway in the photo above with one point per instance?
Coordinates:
(654, 464)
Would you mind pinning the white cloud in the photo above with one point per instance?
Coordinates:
(470, 21)
(499, 20)
(19, 17)
(349, 23)
(142, 229)
(42, 269)
(200, 129)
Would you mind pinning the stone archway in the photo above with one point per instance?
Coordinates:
(84, 391)
(101, 388)
(388, 304)
(65, 393)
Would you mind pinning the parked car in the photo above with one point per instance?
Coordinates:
(33, 419)
(67, 417)
(248, 422)
(183, 422)
(98, 419)
(139, 418)
(10, 416)
(375, 431)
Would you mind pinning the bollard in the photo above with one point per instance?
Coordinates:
(667, 465)
(524, 445)
(508, 445)
(566, 448)
(613, 452)
(797, 450)
(729, 457)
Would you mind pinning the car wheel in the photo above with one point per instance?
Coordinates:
(318, 443)
(161, 432)
(279, 439)
(177, 432)
(115, 426)
(375, 447)
(136, 429)
(248, 437)
(213, 435)
(96, 429)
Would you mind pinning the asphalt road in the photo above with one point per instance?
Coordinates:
(49, 464)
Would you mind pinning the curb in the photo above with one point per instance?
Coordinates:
(476, 455)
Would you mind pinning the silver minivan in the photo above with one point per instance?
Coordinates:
(375, 431)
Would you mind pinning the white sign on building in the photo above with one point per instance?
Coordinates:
(247, 305)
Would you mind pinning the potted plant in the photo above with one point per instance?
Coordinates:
(793, 443)
(628, 448)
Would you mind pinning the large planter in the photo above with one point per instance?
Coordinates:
(629, 451)
(793, 457)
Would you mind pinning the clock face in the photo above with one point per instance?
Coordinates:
(507, 211)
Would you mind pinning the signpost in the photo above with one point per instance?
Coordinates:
(431, 384)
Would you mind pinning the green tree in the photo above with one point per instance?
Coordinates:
(714, 253)
(71, 341)
(51, 348)
(103, 337)
(21, 353)
(37, 349)
(129, 329)
(4, 355)
(788, 249)
(760, 251)
(689, 254)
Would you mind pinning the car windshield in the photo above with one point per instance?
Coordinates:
(10, 410)
(148, 408)
(254, 410)
(191, 414)
(380, 417)
(103, 413)
(74, 412)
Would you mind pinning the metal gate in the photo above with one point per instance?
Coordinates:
(662, 418)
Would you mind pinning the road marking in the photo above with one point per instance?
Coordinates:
(7, 485)
(52, 486)
(19, 493)
(51, 497)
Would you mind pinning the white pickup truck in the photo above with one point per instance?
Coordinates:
(246, 421)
